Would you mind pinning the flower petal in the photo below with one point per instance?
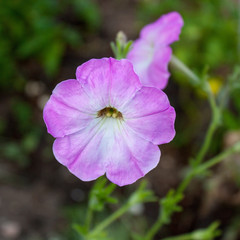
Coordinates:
(68, 110)
(147, 101)
(151, 65)
(164, 31)
(80, 152)
(157, 73)
(107, 146)
(150, 116)
(112, 82)
(131, 158)
(157, 128)
(150, 54)
(141, 57)
(95, 77)
(125, 83)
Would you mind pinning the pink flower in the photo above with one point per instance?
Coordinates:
(151, 53)
(105, 121)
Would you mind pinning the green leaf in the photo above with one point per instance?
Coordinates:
(169, 205)
(100, 194)
(52, 56)
(81, 230)
(89, 12)
(142, 195)
(209, 233)
(230, 121)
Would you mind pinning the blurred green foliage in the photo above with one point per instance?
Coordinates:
(34, 37)
(209, 46)
(101, 222)
(101, 194)
(209, 35)
(38, 30)
(231, 117)
(209, 233)
(34, 32)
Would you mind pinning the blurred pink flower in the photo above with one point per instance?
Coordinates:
(105, 121)
(151, 53)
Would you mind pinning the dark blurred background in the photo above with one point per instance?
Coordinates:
(41, 43)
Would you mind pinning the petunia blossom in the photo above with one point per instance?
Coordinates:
(151, 53)
(106, 122)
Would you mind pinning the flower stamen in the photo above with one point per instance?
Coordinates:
(110, 112)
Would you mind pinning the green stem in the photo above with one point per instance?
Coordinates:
(110, 219)
(208, 164)
(89, 218)
(213, 161)
(182, 237)
(209, 136)
(193, 172)
(196, 169)
(159, 223)
(195, 80)
(153, 230)
(186, 181)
